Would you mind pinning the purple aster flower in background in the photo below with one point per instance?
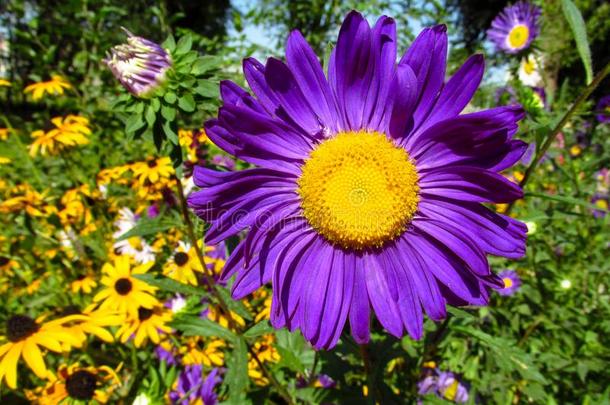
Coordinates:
(511, 280)
(192, 382)
(603, 109)
(140, 65)
(368, 187)
(601, 202)
(165, 353)
(514, 29)
(445, 385)
(222, 160)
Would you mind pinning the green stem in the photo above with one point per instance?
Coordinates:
(368, 370)
(555, 131)
(223, 306)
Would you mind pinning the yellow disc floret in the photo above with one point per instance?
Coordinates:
(358, 189)
(518, 36)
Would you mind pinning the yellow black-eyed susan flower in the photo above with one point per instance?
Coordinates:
(196, 350)
(25, 336)
(69, 131)
(55, 86)
(146, 325)
(153, 169)
(93, 321)
(77, 383)
(83, 283)
(183, 265)
(123, 292)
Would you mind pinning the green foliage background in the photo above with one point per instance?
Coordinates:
(547, 344)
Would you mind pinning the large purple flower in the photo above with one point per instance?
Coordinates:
(368, 186)
(514, 29)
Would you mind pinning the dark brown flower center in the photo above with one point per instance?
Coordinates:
(4, 260)
(144, 313)
(81, 385)
(123, 286)
(181, 258)
(152, 163)
(20, 327)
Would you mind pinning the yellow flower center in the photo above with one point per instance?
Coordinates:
(358, 189)
(529, 66)
(508, 282)
(518, 35)
(603, 204)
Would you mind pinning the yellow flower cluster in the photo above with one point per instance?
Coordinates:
(69, 131)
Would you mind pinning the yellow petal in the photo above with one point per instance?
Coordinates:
(33, 358)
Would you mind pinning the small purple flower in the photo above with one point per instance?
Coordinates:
(514, 29)
(444, 384)
(601, 202)
(140, 65)
(225, 161)
(325, 381)
(603, 109)
(152, 211)
(512, 282)
(165, 355)
(191, 382)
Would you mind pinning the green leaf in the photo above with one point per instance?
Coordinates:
(237, 369)
(507, 354)
(167, 284)
(170, 133)
(184, 45)
(205, 64)
(133, 123)
(207, 89)
(155, 103)
(261, 328)
(187, 103)
(150, 115)
(169, 44)
(236, 306)
(168, 112)
(577, 24)
(567, 200)
(195, 326)
(170, 97)
(146, 226)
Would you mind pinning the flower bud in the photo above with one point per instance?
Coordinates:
(140, 65)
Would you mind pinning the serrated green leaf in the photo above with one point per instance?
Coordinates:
(170, 97)
(195, 326)
(236, 306)
(506, 352)
(155, 103)
(579, 29)
(187, 103)
(205, 64)
(133, 123)
(170, 133)
(169, 44)
(207, 89)
(237, 369)
(167, 284)
(168, 112)
(261, 328)
(184, 45)
(146, 226)
(563, 199)
(150, 116)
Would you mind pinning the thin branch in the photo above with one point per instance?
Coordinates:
(564, 120)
